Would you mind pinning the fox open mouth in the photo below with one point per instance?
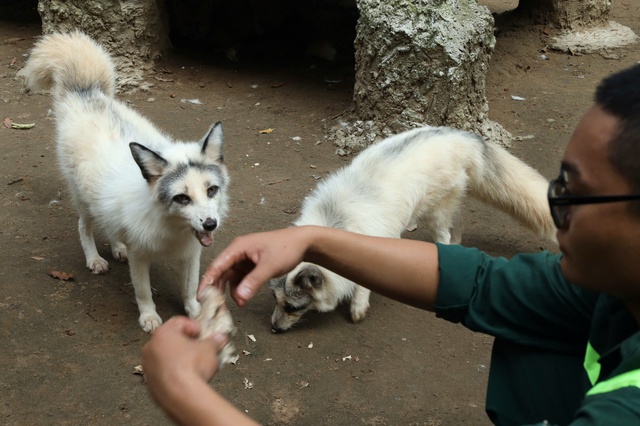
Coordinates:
(204, 237)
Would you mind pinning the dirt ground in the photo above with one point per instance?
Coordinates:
(68, 349)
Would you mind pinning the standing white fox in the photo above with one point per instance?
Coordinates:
(423, 174)
(150, 195)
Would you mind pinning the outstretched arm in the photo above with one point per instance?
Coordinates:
(404, 270)
(178, 367)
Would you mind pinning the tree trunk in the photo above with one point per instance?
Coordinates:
(418, 63)
(135, 32)
(567, 14)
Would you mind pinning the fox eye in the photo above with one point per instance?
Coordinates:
(290, 309)
(212, 191)
(182, 199)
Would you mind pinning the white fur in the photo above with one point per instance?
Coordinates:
(419, 174)
(106, 182)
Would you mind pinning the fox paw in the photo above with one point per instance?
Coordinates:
(149, 321)
(98, 265)
(358, 312)
(119, 252)
(192, 307)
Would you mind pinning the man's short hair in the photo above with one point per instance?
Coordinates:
(619, 95)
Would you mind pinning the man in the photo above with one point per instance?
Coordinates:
(566, 327)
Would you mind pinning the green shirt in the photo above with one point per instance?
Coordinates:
(562, 354)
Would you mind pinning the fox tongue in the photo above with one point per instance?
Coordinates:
(205, 238)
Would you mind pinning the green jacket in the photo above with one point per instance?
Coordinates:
(562, 354)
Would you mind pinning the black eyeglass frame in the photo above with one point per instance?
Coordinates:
(568, 200)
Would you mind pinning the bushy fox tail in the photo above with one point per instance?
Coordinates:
(69, 62)
(507, 183)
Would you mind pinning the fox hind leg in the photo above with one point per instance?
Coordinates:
(119, 251)
(457, 230)
(95, 262)
(442, 224)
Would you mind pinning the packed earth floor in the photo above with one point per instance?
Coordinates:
(68, 349)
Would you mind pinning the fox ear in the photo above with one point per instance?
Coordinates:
(310, 277)
(213, 142)
(274, 283)
(151, 164)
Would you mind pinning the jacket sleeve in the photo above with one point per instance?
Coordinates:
(618, 407)
(525, 299)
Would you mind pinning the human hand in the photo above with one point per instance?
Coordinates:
(174, 356)
(251, 260)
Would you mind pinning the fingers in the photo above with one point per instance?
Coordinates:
(219, 340)
(223, 262)
(182, 324)
(218, 273)
(175, 351)
(250, 261)
(230, 267)
(178, 328)
(247, 288)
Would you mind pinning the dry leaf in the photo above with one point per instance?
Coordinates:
(138, 370)
(64, 276)
(37, 258)
(264, 131)
(7, 122)
(291, 210)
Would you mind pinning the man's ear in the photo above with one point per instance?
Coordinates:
(212, 143)
(308, 278)
(151, 164)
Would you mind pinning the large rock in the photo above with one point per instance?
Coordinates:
(135, 32)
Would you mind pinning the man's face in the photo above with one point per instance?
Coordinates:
(600, 242)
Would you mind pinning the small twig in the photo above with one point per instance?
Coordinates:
(22, 126)
(278, 181)
(15, 181)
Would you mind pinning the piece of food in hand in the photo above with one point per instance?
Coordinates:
(216, 318)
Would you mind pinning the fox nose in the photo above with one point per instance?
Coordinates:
(210, 224)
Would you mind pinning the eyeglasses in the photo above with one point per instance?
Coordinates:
(560, 199)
